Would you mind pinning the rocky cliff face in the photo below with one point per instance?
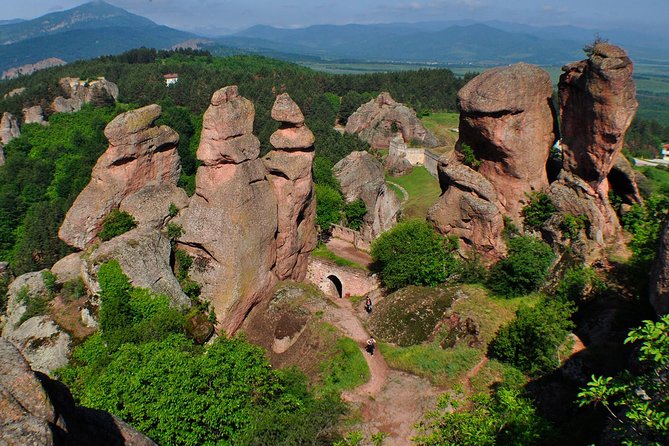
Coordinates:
(289, 173)
(79, 92)
(597, 104)
(374, 121)
(361, 177)
(27, 69)
(251, 221)
(231, 221)
(36, 410)
(9, 128)
(507, 120)
(34, 115)
(39, 338)
(139, 155)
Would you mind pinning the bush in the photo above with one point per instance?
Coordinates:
(115, 224)
(412, 253)
(532, 340)
(637, 404)
(525, 268)
(36, 305)
(115, 311)
(572, 225)
(468, 157)
(329, 204)
(538, 210)
(576, 282)
(355, 214)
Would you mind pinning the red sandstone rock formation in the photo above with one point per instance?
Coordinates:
(507, 120)
(231, 222)
(79, 92)
(139, 155)
(9, 128)
(467, 208)
(373, 122)
(597, 104)
(289, 173)
(35, 409)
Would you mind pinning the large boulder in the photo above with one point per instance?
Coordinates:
(597, 104)
(150, 205)
(467, 209)
(231, 221)
(379, 120)
(44, 344)
(34, 115)
(361, 177)
(9, 128)
(144, 256)
(289, 169)
(139, 155)
(79, 92)
(659, 276)
(507, 119)
(36, 410)
(397, 165)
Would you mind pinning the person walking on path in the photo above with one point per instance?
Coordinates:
(371, 344)
(368, 305)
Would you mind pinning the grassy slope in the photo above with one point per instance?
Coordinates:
(447, 367)
(423, 191)
(441, 124)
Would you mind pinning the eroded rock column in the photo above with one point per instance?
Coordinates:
(231, 221)
(289, 172)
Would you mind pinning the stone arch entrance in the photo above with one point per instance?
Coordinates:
(338, 286)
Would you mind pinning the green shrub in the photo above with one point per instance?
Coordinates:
(329, 205)
(471, 269)
(355, 214)
(115, 224)
(115, 312)
(469, 157)
(531, 341)
(524, 269)
(576, 282)
(174, 231)
(412, 253)
(36, 305)
(505, 418)
(538, 210)
(74, 289)
(173, 210)
(572, 225)
(50, 283)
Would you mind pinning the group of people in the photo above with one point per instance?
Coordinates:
(371, 342)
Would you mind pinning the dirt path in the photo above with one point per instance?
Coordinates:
(467, 379)
(391, 401)
(405, 194)
(347, 251)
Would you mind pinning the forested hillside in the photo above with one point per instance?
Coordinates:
(47, 167)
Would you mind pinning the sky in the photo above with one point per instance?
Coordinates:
(213, 15)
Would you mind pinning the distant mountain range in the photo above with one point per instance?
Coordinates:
(90, 30)
(98, 28)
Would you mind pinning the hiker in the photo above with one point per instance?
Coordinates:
(368, 305)
(371, 343)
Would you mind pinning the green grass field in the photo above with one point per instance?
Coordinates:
(423, 191)
(441, 124)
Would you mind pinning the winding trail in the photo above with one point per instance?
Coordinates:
(391, 401)
(405, 194)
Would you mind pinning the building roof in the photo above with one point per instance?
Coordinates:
(171, 76)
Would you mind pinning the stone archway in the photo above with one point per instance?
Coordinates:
(338, 286)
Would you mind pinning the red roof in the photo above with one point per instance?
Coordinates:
(171, 76)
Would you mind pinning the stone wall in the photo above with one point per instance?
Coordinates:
(398, 148)
(431, 160)
(349, 235)
(355, 281)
